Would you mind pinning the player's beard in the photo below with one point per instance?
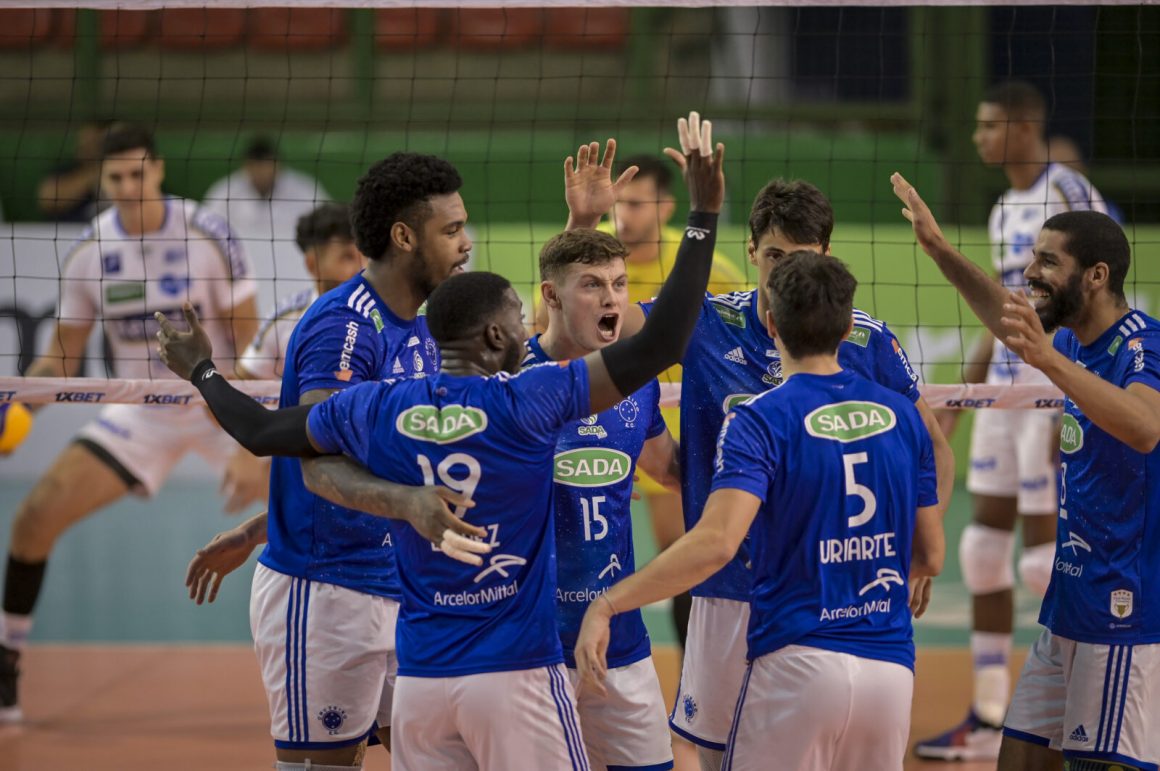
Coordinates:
(421, 277)
(1063, 304)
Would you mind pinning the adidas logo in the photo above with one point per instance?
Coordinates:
(1079, 735)
(398, 368)
(737, 356)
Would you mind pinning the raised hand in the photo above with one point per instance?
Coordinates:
(588, 186)
(701, 164)
(183, 351)
(926, 230)
(1026, 335)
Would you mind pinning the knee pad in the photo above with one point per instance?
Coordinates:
(1035, 566)
(309, 766)
(986, 555)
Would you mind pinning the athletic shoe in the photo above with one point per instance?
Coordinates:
(971, 739)
(9, 673)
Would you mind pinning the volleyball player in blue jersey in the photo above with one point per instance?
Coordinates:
(730, 358)
(585, 295)
(836, 476)
(1087, 695)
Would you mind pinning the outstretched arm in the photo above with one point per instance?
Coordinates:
(625, 366)
(698, 554)
(984, 295)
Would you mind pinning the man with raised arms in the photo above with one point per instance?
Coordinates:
(831, 480)
(466, 634)
(1087, 696)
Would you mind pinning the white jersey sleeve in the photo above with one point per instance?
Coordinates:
(224, 260)
(265, 356)
(80, 283)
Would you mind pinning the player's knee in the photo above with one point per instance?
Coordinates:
(307, 765)
(1035, 566)
(986, 555)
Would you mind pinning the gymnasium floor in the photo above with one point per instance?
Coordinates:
(126, 673)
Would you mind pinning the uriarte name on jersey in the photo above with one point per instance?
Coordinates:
(441, 425)
(855, 548)
(850, 421)
(592, 467)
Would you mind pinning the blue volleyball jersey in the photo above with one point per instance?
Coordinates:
(730, 358)
(494, 439)
(594, 464)
(1106, 580)
(841, 465)
(348, 336)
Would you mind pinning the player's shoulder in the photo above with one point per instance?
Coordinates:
(1071, 188)
(868, 331)
(288, 308)
(533, 353)
(86, 249)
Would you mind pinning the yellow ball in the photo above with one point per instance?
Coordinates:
(15, 423)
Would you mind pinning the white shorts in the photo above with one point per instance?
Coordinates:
(327, 656)
(712, 673)
(1090, 701)
(807, 709)
(1012, 456)
(496, 721)
(626, 729)
(149, 441)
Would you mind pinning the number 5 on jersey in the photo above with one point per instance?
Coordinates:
(870, 503)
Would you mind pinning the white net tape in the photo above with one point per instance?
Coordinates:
(178, 393)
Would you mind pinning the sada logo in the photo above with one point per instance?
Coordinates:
(850, 421)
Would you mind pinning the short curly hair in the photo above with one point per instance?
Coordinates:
(397, 189)
(799, 209)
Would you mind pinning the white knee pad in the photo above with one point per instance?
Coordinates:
(986, 556)
(1035, 566)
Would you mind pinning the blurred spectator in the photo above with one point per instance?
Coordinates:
(1063, 149)
(71, 192)
(263, 201)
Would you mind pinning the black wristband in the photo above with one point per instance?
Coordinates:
(199, 372)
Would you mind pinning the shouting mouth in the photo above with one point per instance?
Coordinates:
(608, 327)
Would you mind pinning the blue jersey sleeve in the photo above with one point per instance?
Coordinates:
(345, 422)
(892, 366)
(746, 459)
(656, 424)
(548, 396)
(337, 350)
(927, 474)
(1144, 366)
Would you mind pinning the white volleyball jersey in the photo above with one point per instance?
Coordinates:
(266, 354)
(1015, 222)
(121, 280)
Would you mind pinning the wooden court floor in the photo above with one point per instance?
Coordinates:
(183, 707)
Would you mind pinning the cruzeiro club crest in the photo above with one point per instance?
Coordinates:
(332, 719)
(690, 707)
(629, 411)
